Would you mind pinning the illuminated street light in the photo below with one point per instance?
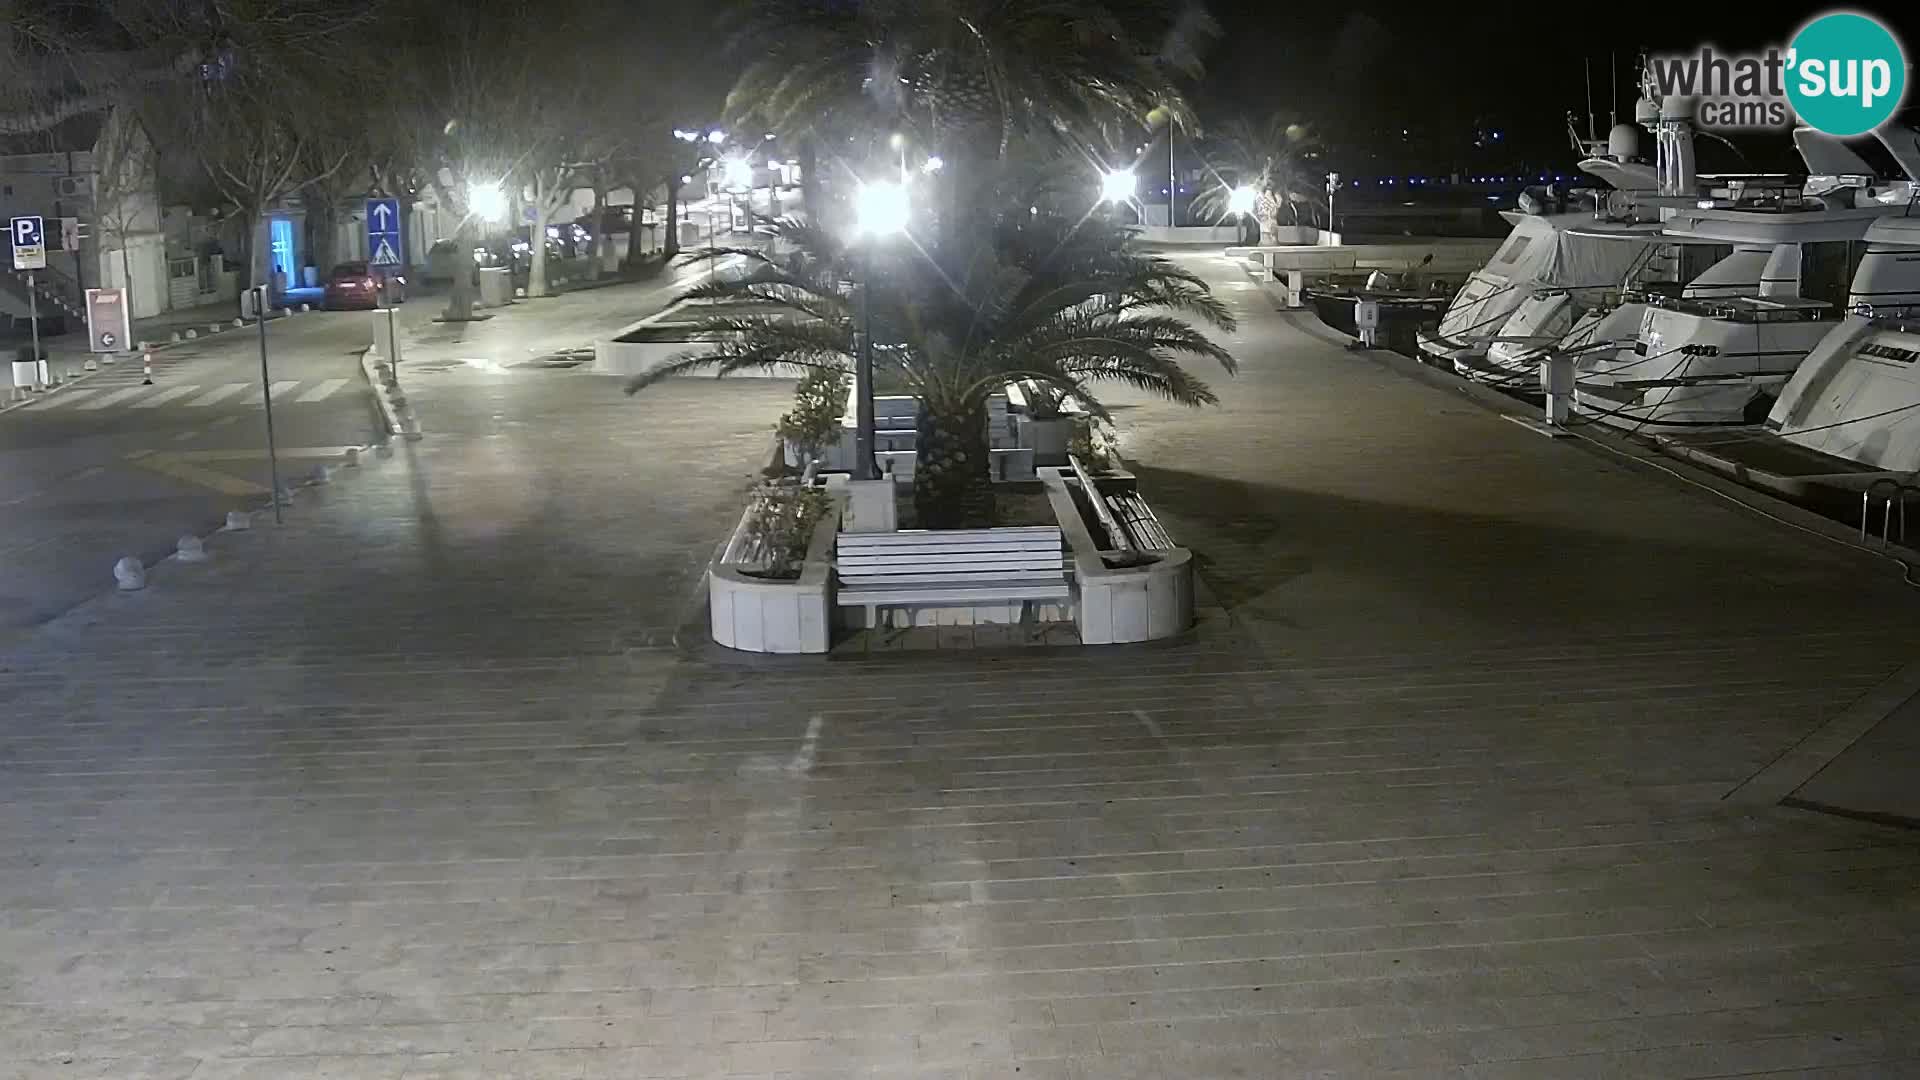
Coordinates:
(739, 173)
(488, 201)
(1117, 185)
(882, 209)
(716, 136)
(933, 165)
(1242, 200)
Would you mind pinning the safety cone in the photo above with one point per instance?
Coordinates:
(146, 368)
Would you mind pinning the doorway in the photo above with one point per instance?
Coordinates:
(280, 248)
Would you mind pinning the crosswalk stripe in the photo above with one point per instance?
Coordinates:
(54, 401)
(280, 388)
(216, 395)
(115, 397)
(323, 391)
(165, 396)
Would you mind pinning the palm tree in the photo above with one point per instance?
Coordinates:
(963, 78)
(1046, 301)
(1271, 158)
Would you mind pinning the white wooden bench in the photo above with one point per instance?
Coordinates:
(949, 567)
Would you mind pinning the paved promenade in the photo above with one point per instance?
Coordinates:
(421, 785)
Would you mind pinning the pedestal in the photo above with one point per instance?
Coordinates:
(870, 507)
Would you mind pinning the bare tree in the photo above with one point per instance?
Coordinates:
(123, 162)
(255, 113)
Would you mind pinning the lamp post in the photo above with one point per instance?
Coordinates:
(1333, 185)
(1241, 202)
(882, 212)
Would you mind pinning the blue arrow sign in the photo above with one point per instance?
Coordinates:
(384, 247)
(29, 236)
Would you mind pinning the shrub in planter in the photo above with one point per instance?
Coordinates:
(814, 421)
(783, 517)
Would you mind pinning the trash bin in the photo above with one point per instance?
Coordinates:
(496, 286)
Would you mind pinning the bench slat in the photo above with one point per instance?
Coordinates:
(939, 558)
(962, 538)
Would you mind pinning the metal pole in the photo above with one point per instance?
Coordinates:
(863, 376)
(1173, 175)
(266, 398)
(33, 321)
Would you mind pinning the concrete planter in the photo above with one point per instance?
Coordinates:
(1114, 605)
(762, 615)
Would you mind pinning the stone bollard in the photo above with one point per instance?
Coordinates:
(306, 307)
(321, 475)
(90, 365)
(239, 521)
(214, 328)
(351, 459)
(192, 334)
(129, 575)
(238, 323)
(191, 549)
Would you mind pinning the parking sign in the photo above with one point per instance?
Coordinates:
(29, 235)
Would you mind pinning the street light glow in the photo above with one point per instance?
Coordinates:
(488, 201)
(716, 136)
(1242, 200)
(1117, 185)
(933, 165)
(882, 209)
(739, 173)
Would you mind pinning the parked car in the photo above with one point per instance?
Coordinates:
(354, 285)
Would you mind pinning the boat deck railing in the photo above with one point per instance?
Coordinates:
(1750, 309)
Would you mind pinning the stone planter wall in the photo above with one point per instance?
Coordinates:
(1116, 605)
(755, 614)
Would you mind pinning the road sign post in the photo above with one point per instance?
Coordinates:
(386, 249)
(29, 236)
(266, 400)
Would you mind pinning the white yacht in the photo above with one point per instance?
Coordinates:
(1707, 361)
(1582, 322)
(1546, 253)
(1857, 395)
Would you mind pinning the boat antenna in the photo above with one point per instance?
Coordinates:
(1613, 101)
(1591, 136)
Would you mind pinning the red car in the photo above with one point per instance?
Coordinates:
(356, 285)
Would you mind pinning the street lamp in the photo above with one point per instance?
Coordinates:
(1117, 185)
(881, 211)
(1242, 200)
(933, 165)
(488, 201)
(716, 136)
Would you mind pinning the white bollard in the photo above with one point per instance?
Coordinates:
(90, 365)
(129, 575)
(191, 549)
(321, 475)
(238, 323)
(192, 334)
(239, 521)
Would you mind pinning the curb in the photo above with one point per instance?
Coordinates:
(384, 381)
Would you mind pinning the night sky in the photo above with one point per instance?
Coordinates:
(1364, 70)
